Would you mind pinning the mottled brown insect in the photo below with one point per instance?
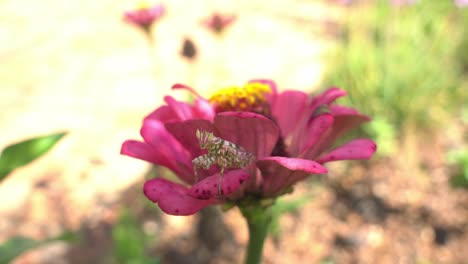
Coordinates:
(221, 152)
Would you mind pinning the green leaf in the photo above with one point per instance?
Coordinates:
(22, 153)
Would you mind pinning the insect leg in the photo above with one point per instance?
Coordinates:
(204, 161)
(196, 174)
(220, 182)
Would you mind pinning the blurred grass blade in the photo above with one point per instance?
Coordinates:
(130, 242)
(22, 153)
(17, 245)
(282, 207)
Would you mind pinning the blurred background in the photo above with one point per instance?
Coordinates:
(82, 69)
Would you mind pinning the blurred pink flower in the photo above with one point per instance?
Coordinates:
(402, 2)
(342, 2)
(218, 22)
(145, 15)
(461, 3)
(289, 133)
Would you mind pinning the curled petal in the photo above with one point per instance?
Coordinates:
(203, 109)
(172, 198)
(208, 188)
(185, 87)
(181, 109)
(254, 132)
(286, 105)
(354, 150)
(281, 172)
(327, 97)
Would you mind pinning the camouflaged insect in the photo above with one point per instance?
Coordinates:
(221, 152)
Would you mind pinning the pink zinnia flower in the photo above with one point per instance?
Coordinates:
(145, 15)
(289, 133)
(461, 3)
(218, 22)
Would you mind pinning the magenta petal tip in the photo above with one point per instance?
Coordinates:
(172, 198)
(358, 149)
(208, 187)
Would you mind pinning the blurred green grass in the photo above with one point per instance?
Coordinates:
(130, 242)
(403, 66)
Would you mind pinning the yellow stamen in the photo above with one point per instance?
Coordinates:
(250, 97)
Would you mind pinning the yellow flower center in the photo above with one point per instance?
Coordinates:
(250, 98)
(143, 5)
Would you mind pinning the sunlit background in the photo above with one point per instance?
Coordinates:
(78, 67)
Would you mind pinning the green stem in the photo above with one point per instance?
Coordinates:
(258, 220)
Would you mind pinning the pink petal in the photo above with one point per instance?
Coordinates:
(218, 21)
(342, 110)
(227, 20)
(254, 132)
(354, 150)
(300, 130)
(208, 188)
(172, 198)
(185, 133)
(327, 97)
(295, 164)
(185, 87)
(163, 114)
(146, 16)
(203, 109)
(182, 110)
(281, 172)
(316, 130)
(154, 12)
(168, 148)
(287, 108)
(158, 10)
(144, 151)
(341, 125)
(155, 134)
